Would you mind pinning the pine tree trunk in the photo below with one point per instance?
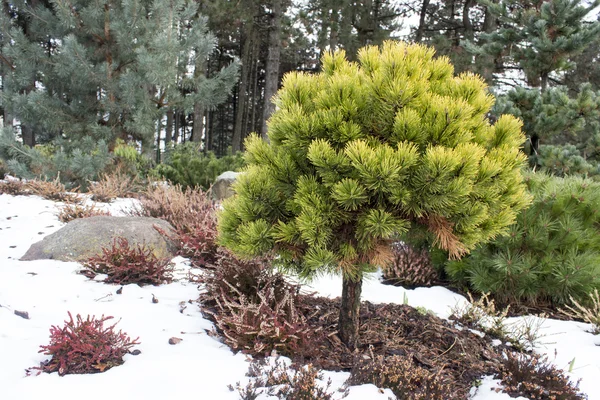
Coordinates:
(169, 128)
(198, 123)
(467, 24)
(27, 135)
(272, 68)
(422, 15)
(490, 23)
(349, 322)
(242, 100)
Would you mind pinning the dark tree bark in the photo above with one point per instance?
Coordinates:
(272, 67)
(467, 24)
(242, 99)
(169, 128)
(349, 322)
(198, 122)
(422, 15)
(27, 135)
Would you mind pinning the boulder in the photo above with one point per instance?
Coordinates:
(221, 189)
(85, 237)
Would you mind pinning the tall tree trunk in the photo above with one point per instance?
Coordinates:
(198, 122)
(169, 128)
(242, 100)
(158, 135)
(349, 322)
(272, 67)
(467, 24)
(422, 16)
(490, 22)
(27, 135)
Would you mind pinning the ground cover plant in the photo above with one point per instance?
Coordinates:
(113, 185)
(71, 211)
(192, 214)
(276, 378)
(536, 378)
(14, 187)
(85, 346)
(552, 252)
(124, 263)
(364, 152)
(588, 312)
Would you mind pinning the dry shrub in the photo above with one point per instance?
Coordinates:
(482, 314)
(125, 264)
(52, 190)
(588, 314)
(410, 267)
(256, 310)
(113, 185)
(193, 215)
(278, 379)
(85, 346)
(534, 377)
(71, 211)
(403, 376)
(14, 187)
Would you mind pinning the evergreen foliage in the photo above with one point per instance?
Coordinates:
(364, 152)
(552, 253)
(567, 127)
(541, 37)
(107, 70)
(187, 166)
(75, 163)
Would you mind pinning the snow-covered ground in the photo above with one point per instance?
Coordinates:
(199, 367)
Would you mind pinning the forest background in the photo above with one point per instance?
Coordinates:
(84, 82)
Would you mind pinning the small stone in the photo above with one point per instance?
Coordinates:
(175, 340)
(40, 233)
(136, 352)
(12, 247)
(120, 291)
(154, 299)
(22, 314)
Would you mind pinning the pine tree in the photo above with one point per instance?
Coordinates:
(110, 69)
(364, 152)
(552, 252)
(540, 36)
(567, 127)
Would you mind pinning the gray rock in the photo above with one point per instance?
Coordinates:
(221, 189)
(85, 237)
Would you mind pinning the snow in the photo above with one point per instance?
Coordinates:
(227, 175)
(200, 366)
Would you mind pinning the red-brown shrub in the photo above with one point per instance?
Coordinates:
(52, 190)
(125, 264)
(534, 377)
(403, 376)
(14, 187)
(193, 215)
(71, 211)
(256, 310)
(85, 346)
(280, 380)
